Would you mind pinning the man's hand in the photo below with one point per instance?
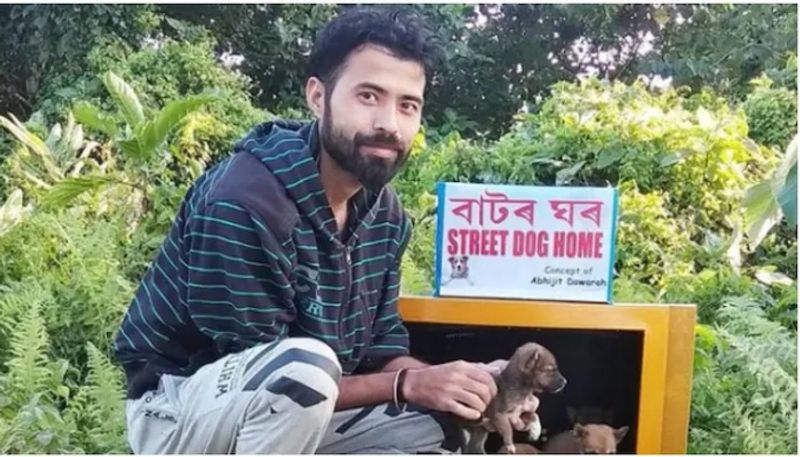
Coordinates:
(494, 367)
(461, 388)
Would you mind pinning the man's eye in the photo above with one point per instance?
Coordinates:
(368, 96)
(411, 107)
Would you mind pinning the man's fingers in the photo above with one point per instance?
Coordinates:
(484, 378)
(463, 411)
(470, 399)
(481, 390)
(492, 370)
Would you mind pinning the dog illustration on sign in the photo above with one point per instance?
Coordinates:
(459, 269)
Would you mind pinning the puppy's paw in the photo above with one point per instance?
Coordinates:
(535, 428)
(511, 449)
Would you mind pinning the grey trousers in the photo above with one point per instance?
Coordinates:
(274, 399)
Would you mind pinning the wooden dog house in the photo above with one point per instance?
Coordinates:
(632, 361)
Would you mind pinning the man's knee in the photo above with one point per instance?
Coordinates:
(308, 357)
(301, 346)
(304, 371)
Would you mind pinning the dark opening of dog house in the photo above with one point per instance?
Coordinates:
(603, 369)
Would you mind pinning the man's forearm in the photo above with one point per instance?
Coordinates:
(375, 388)
(365, 390)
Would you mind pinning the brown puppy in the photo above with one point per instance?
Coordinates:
(531, 370)
(586, 439)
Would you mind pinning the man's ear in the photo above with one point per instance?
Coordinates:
(620, 433)
(315, 96)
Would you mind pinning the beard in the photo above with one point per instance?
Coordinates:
(371, 171)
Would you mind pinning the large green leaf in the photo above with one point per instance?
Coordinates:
(35, 144)
(767, 202)
(130, 148)
(21, 133)
(672, 159)
(608, 157)
(567, 174)
(761, 212)
(787, 196)
(785, 183)
(71, 188)
(153, 133)
(12, 211)
(126, 99)
(91, 116)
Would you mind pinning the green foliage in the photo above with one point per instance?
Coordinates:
(631, 290)
(785, 76)
(594, 133)
(709, 287)
(173, 70)
(96, 413)
(744, 398)
(724, 46)
(140, 145)
(31, 383)
(767, 202)
(75, 261)
(45, 49)
(125, 98)
(12, 211)
(274, 41)
(771, 113)
(39, 411)
(652, 244)
(37, 165)
(146, 136)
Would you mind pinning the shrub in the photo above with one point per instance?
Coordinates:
(771, 114)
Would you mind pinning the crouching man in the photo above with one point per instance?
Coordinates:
(268, 321)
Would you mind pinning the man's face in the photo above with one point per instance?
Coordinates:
(370, 118)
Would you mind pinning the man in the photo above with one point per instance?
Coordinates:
(268, 322)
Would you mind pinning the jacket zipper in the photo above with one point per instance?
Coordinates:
(347, 264)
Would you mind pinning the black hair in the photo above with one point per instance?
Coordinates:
(400, 30)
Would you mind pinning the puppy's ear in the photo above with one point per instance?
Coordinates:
(451, 259)
(620, 433)
(530, 362)
(579, 431)
(466, 258)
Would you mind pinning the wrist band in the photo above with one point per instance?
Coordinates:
(401, 379)
(397, 388)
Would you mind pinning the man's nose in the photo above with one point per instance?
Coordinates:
(386, 121)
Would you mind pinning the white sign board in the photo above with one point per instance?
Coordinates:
(549, 243)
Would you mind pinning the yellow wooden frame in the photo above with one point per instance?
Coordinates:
(667, 354)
